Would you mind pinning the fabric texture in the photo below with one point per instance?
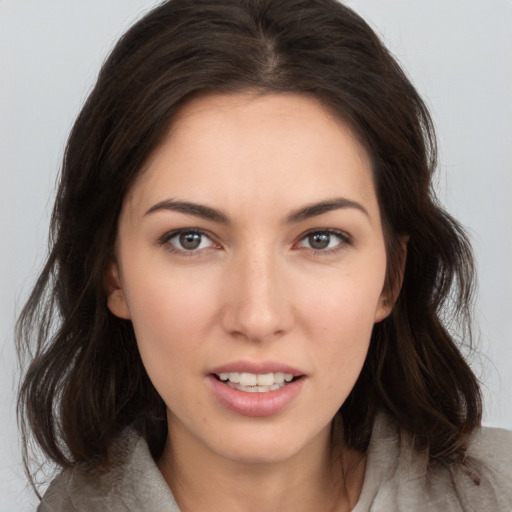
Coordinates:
(397, 478)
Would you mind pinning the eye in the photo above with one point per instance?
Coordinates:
(326, 241)
(189, 240)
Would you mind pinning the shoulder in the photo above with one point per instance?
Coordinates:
(485, 477)
(399, 478)
(133, 483)
(492, 447)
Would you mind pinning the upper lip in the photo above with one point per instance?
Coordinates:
(256, 367)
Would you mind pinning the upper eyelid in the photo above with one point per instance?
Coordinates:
(344, 236)
(338, 232)
(178, 231)
(345, 241)
(175, 232)
(165, 242)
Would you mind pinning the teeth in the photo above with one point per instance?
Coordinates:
(253, 381)
(248, 379)
(232, 377)
(279, 377)
(265, 380)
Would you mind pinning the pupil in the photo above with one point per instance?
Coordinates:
(319, 240)
(190, 240)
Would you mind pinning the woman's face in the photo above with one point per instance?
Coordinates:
(250, 252)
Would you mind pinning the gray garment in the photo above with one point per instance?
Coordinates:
(396, 478)
(134, 484)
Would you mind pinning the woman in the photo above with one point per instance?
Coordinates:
(249, 271)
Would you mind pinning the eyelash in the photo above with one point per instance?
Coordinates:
(165, 240)
(344, 240)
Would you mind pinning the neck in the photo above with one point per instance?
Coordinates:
(309, 480)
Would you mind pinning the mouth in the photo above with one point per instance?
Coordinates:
(256, 382)
(256, 388)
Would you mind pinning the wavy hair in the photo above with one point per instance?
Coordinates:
(84, 381)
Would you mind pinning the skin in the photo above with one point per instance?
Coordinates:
(255, 290)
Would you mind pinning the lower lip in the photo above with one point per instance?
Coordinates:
(255, 404)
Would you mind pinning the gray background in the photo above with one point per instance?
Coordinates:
(458, 53)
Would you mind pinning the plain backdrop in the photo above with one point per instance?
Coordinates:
(459, 55)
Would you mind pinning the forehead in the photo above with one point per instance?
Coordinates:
(276, 147)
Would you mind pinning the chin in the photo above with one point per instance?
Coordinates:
(260, 445)
(250, 452)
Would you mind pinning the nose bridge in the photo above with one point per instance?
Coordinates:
(258, 306)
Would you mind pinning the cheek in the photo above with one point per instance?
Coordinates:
(340, 314)
(171, 315)
(345, 300)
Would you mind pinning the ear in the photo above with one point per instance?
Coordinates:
(390, 293)
(116, 300)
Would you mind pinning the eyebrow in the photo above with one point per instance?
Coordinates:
(208, 213)
(322, 207)
(197, 210)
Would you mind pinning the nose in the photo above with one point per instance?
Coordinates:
(259, 305)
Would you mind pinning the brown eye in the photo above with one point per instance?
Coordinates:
(325, 241)
(187, 241)
(319, 241)
(190, 241)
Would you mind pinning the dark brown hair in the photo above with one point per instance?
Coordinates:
(85, 381)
